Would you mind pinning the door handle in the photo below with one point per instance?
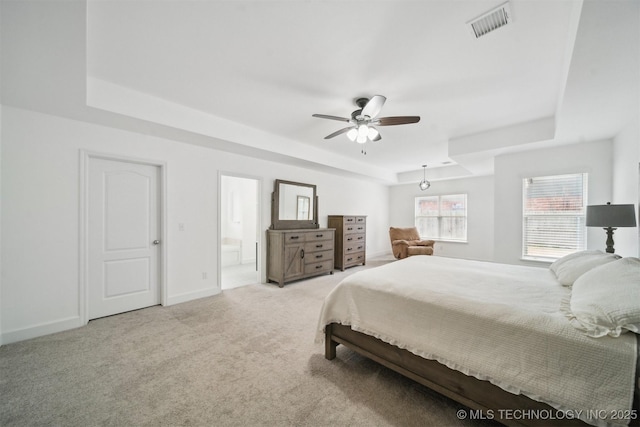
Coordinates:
(156, 242)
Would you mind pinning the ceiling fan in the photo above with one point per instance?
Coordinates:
(365, 118)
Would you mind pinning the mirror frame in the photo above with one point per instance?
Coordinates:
(291, 224)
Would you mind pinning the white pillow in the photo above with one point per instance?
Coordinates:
(606, 300)
(557, 263)
(571, 268)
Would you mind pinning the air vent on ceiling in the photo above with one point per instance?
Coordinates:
(492, 20)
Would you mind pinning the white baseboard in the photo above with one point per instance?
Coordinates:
(189, 296)
(41, 330)
(75, 322)
(379, 254)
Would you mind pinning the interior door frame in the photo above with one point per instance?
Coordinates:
(83, 287)
(259, 257)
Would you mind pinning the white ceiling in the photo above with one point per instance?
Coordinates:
(266, 66)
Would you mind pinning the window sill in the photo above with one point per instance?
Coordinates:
(540, 260)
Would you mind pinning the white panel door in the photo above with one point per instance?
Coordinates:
(124, 237)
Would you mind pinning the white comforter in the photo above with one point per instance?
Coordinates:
(495, 322)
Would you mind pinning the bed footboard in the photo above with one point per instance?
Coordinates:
(469, 391)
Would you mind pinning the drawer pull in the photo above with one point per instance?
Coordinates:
(360, 238)
(349, 219)
(349, 259)
(349, 239)
(294, 237)
(301, 253)
(319, 256)
(349, 249)
(319, 246)
(319, 235)
(349, 228)
(318, 267)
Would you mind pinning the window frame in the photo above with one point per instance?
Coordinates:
(440, 217)
(579, 217)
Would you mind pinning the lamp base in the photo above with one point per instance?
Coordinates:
(609, 231)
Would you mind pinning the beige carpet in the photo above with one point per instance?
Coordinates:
(246, 357)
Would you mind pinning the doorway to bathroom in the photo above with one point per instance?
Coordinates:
(239, 225)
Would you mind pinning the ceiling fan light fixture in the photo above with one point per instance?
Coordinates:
(363, 131)
(424, 184)
(352, 134)
(372, 133)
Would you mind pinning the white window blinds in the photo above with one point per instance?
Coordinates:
(442, 217)
(554, 216)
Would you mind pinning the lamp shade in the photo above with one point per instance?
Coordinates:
(611, 216)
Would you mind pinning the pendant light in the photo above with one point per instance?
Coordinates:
(424, 184)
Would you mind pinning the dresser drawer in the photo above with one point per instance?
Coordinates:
(294, 237)
(314, 236)
(354, 238)
(354, 228)
(318, 245)
(361, 220)
(346, 220)
(319, 267)
(353, 259)
(310, 257)
(351, 248)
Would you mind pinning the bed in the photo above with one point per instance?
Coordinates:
(509, 342)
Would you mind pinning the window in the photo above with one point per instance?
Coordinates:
(553, 216)
(442, 217)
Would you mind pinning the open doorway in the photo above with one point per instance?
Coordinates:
(239, 225)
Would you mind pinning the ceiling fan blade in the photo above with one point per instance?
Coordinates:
(374, 106)
(325, 116)
(339, 132)
(399, 120)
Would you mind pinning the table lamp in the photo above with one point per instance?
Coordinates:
(609, 217)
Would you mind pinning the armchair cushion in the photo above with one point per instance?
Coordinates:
(406, 242)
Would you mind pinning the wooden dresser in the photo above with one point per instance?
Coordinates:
(351, 237)
(298, 254)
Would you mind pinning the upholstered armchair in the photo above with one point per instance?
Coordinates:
(406, 242)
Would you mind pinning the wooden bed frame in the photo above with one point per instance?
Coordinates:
(476, 394)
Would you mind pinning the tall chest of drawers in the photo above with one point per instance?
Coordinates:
(351, 236)
(298, 254)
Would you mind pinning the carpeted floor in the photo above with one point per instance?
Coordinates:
(246, 357)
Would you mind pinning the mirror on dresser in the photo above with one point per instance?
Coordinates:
(294, 205)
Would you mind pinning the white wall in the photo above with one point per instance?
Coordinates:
(594, 158)
(480, 224)
(626, 185)
(40, 213)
